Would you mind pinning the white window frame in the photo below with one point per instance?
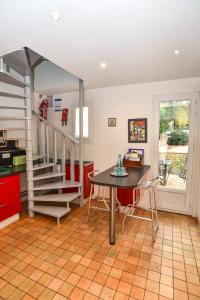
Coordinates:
(90, 137)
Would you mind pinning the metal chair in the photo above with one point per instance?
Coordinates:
(147, 185)
(100, 201)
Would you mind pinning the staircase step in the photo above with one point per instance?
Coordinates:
(42, 166)
(13, 118)
(67, 197)
(13, 129)
(12, 107)
(53, 211)
(10, 78)
(4, 94)
(38, 156)
(57, 185)
(48, 175)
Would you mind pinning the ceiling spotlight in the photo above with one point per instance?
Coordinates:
(177, 52)
(55, 16)
(103, 65)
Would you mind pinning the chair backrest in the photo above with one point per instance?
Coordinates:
(148, 184)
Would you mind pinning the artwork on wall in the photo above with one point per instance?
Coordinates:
(112, 122)
(50, 101)
(57, 102)
(137, 130)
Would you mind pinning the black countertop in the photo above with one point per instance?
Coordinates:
(134, 176)
(9, 171)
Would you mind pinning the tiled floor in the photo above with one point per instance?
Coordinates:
(39, 260)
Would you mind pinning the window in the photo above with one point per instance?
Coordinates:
(85, 122)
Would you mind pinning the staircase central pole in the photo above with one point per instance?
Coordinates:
(81, 103)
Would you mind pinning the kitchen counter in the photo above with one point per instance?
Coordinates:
(9, 171)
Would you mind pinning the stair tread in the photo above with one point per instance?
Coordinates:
(43, 165)
(13, 118)
(54, 211)
(57, 185)
(10, 95)
(10, 79)
(38, 156)
(66, 197)
(48, 175)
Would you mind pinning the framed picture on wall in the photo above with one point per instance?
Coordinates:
(137, 130)
(112, 122)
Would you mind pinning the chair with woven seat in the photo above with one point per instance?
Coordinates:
(149, 186)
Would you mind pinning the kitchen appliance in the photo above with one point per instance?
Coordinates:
(8, 151)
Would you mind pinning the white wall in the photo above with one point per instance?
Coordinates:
(124, 102)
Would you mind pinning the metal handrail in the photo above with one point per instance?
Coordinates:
(66, 135)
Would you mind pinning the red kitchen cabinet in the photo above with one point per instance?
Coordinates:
(87, 168)
(127, 196)
(10, 203)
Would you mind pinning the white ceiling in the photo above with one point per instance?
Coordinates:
(136, 38)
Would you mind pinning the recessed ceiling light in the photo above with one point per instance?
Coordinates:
(103, 65)
(55, 16)
(177, 52)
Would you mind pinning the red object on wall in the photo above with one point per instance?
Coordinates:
(10, 203)
(43, 108)
(87, 167)
(127, 196)
(64, 116)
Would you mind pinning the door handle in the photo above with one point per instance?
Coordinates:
(2, 205)
(1, 183)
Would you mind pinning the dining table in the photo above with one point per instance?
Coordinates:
(132, 180)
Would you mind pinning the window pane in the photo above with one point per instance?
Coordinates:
(85, 122)
(174, 143)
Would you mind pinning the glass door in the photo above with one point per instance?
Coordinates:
(174, 127)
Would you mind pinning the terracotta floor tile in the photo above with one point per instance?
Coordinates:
(17, 280)
(166, 290)
(150, 296)
(100, 278)
(46, 294)
(116, 273)
(7, 290)
(65, 289)
(152, 286)
(167, 280)
(36, 275)
(46, 279)
(137, 293)
(36, 290)
(180, 285)
(89, 296)
(107, 293)
(73, 278)
(120, 296)
(124, 287)
(55, 284)
(194, 289)
(84, 283)
(95, 288)
(179, 295)
(89, 273)
(139, 281)
(59, 297)
(26, 284)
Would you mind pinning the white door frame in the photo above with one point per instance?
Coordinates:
(192, 163)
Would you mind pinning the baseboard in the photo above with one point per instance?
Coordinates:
(9, 220)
